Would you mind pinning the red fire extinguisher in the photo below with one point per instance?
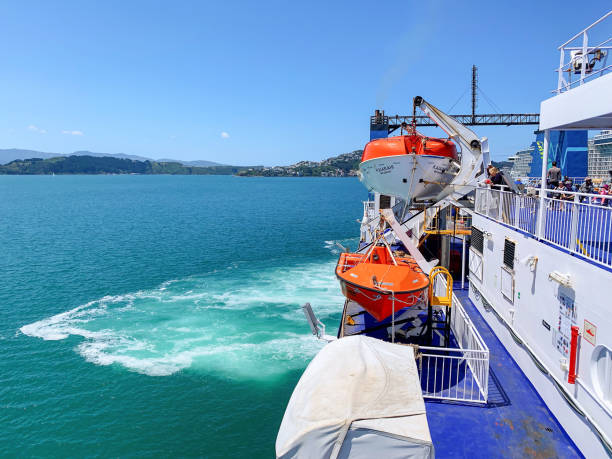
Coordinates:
(571, 377)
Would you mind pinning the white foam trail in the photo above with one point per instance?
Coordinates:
(247, 325)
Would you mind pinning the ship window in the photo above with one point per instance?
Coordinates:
(477, 239)
(385, 202)
(601, 372)
(509, 247)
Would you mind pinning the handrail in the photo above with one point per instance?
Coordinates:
(548, 191)
(579, 59)
(581, 223)
(587, 28)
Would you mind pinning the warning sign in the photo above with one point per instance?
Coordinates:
(567, 318)
(590, 332)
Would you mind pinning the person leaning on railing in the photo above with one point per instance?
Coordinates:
(586, 187)
(568, 187)
(560, 196)
(603, 199)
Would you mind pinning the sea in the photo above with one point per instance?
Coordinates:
(155, 316)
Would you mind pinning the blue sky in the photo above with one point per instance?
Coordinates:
(265, 82)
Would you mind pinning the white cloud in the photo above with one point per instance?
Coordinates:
(73, 132)
(31, 127)
(225, 135)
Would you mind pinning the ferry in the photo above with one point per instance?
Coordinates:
(508, 351)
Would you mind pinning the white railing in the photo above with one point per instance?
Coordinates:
(535, 181)
(456, 373)
(448, 374)
(369, 210)
(577, 222)
(580, 58)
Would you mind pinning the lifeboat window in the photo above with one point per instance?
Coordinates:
(601, 372)
(477, 239)
(385, 202)
(509, 249)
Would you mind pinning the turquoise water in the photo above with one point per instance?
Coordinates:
(160, 315)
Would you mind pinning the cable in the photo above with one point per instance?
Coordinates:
(491, 103)
(460, 97)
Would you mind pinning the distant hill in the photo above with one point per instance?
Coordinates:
(11, 154)
(87, 164)
(343, 165)
(198, 163)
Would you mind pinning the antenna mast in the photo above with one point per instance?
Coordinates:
(474, 88)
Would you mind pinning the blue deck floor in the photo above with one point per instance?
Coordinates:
(515, 422)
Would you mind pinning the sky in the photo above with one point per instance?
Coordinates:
(271, 83)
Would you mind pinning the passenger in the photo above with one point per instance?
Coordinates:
(559, 197)
(520, 186)
(586, 187)
(497, 178)
(553, 176)
(603, 191)
(567, 188)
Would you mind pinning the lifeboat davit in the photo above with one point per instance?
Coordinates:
(380, 282)
(409, 166)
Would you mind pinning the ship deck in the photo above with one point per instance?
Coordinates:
(514, 422)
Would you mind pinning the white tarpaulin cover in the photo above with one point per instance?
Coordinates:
(359, 398)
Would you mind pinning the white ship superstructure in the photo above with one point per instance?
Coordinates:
(521, 162)
(541, 267)
(600, 155)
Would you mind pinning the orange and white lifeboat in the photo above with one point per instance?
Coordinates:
(381, 283)
(409, 166)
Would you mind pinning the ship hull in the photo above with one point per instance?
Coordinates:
(407, 176)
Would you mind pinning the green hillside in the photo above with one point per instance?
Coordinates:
(108, 165)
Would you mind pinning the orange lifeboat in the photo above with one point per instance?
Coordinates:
(415, 143)
(409, 166)
(380, 282)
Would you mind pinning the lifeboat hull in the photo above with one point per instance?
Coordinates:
(378, 304)
(378, 284)
(407, 176)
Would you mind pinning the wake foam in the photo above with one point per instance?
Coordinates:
(242, 324)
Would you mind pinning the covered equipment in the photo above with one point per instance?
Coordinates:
(359, 398)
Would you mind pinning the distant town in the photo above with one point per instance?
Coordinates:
(344, 165)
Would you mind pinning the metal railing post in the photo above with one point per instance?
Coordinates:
(574, 227)
(541, 210)
(585, 57)
(462, 261)
(517, 207)
(561, 81)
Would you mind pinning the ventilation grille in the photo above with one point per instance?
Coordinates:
(509, 253)
(477, 240)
